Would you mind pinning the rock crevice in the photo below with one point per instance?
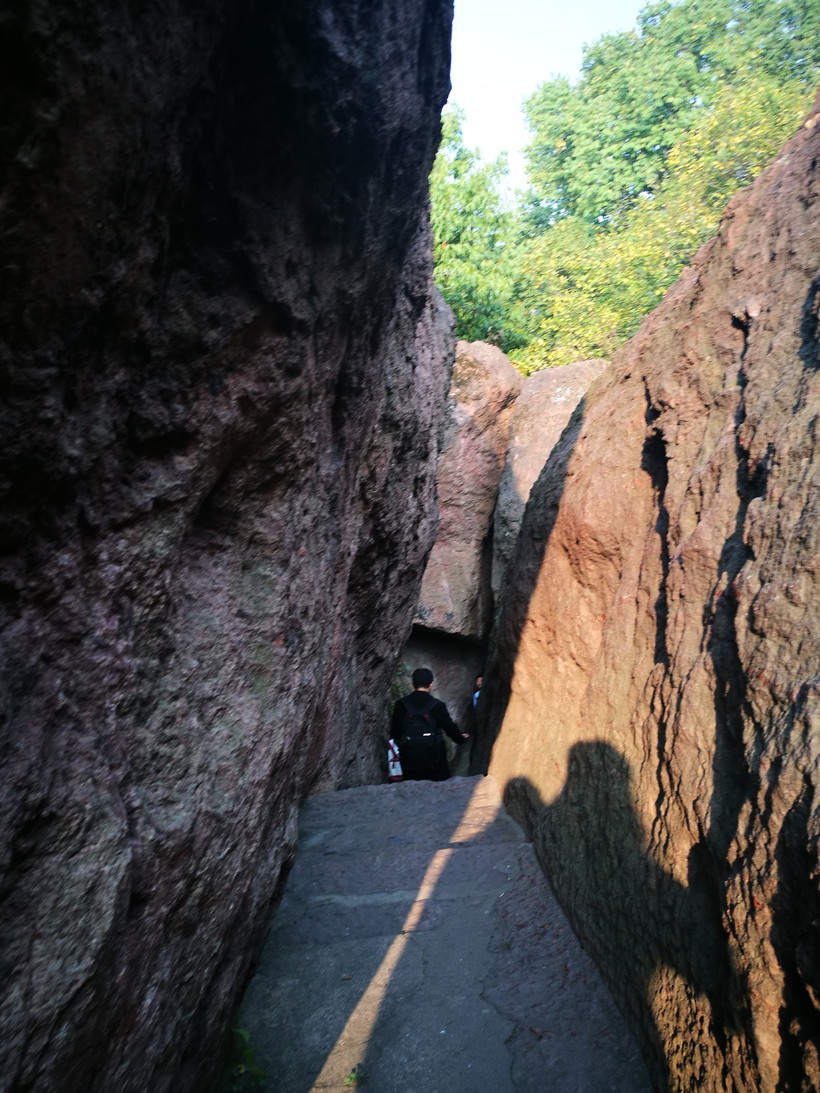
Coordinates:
(499, 430)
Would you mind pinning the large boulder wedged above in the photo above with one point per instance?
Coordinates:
(223, 370)
(456, 590)
(655, 692)
(542, 411)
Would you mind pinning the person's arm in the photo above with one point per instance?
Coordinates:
(444, 721)
(397, 721)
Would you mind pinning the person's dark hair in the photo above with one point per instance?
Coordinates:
(422, 677)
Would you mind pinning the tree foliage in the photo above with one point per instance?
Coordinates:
(473, 229)
(630, 169)
(588, 287)
(602, 144)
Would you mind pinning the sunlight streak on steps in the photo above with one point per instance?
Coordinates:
(352, 1043)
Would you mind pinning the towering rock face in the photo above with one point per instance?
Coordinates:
(455, 604)
(656, 695)
(500, 429)
(222, 372)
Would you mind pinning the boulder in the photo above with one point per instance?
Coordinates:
(541, 413)
(223, 369)
(654, 700)
(455, 593)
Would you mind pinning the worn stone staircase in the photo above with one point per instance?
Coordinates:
(419, 949)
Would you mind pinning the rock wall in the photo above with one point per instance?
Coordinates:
(455, 608)
(499, 431)
(456, 596)
(655, 694)
(222, 373)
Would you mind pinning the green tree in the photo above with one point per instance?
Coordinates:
(473, 230)
(630, 169)
(632, 166)
(598, 145)
(601, 144)
(589, 288)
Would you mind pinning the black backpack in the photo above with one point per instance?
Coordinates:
(421, 736)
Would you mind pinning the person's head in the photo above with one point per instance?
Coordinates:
(479, 681)
(422, 679)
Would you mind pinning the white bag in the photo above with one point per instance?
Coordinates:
(393, 764)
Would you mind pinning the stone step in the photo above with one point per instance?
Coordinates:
(419, 942)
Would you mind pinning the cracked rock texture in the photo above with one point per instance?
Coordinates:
(223, 366)
(655, 697)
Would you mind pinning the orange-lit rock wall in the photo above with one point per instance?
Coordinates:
(654, 705)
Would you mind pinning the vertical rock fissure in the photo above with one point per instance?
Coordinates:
(795, 917)
(655, 462)
(733, 778)
(810, 344)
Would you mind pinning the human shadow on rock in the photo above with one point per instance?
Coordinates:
(637, 921)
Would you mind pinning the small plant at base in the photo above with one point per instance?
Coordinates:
(246, 1073)
(355, 1078)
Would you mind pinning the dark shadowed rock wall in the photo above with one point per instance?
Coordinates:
(655, 693)
(222, 370)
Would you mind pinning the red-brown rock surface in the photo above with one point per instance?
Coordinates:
(222, 374)
(542, 411)
(656, 691)
(455, 593)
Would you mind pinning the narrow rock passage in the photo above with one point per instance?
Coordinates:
(419, 942)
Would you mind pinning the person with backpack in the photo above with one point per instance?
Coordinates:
(417, 725)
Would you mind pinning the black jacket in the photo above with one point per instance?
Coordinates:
(439, 713)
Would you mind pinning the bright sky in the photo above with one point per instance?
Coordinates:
(502, 49)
